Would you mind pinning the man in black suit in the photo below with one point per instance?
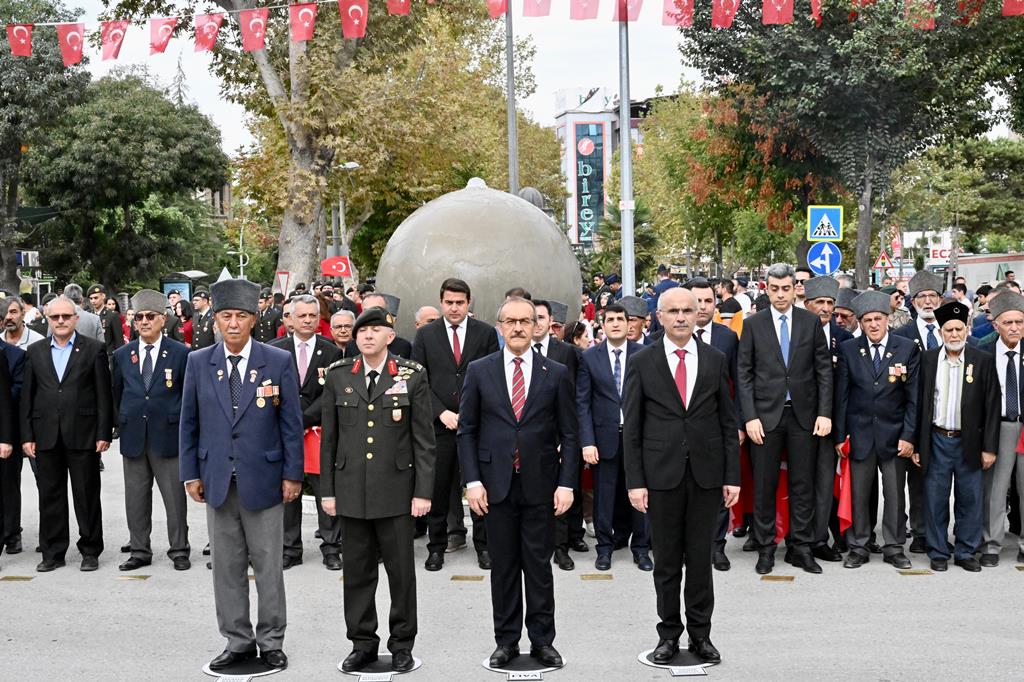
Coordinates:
(682, 462)
(203, 334)
(342, 323)
(10, 465)
(876, 407)
(958, 436)
(518, 448)
(389, 302)
(268, 319)
(66, 419)
(445, 347)
(785, 388)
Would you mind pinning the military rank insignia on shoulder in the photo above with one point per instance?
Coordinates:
(339, 363)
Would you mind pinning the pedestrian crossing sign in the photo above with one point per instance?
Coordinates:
(824, 223)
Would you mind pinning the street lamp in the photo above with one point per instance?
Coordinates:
(338, 224)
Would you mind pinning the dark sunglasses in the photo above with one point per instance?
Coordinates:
(146, 316)
(60, 317)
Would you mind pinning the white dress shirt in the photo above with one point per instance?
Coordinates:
(379, 369)
(691, 363)
(242, 364)
(155, 351)
(777, 321)
(1001, 350)
(706, 336)
(460, 330)
(922, 332)
(543, 345)
(622, 368)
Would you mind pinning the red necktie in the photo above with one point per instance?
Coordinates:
(518, 400)
(681, 376)
(456, 350)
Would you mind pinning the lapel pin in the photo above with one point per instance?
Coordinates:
(220, 375)
(252, 376)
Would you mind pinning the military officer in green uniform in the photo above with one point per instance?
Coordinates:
(203, 334)
(113, 334)
(378, 441)
(268, 319)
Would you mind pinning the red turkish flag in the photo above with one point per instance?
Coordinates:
(536, 8)
(353, 18)
(398, 7)
(967, 10)
(677, 13)
(497, 8)
(70, 38)
(816, 12)
(160, 32)
(336, 266)
(920, 14)
(303, 21)
(19, 37)
(845, 512)
(253, 23)
(723, 12)
(1013, 8)
(111, 37)
(580, 10)
(776, 12)
(207, 27)
(630, 8)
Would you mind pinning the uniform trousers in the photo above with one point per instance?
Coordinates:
(329, 526)
(997, 484)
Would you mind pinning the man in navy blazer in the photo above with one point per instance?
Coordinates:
(599, 407)
(241, 454)
(148, 374)
(518, 448)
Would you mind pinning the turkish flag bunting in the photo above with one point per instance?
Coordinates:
(777, 12)
(70, 38)
(19, 36)
(920, 14)
(631, 7)
(253, 23)
(816, 12)
(967, 10)
(353, 18)
(111, 37)
(723, 12)
(398, 7)
(207, 27)
(536, 8)
(677, 13)
(1013, 8)
(497, 8)
(845, 511)
(160, 32)
(303, 21)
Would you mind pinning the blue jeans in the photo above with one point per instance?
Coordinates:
(947, 468)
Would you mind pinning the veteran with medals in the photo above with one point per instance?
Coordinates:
(377, 473)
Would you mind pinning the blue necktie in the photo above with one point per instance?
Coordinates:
(617, 370)
(784, 343)
(932, 342)
(878, 357)
(147, 367)
(1012, 396)
(235, 380)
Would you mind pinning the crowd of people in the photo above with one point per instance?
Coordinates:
(660, 423)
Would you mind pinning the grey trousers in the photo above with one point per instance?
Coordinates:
(997, 483)
(894, 518)
(238, 536)
(139, 474)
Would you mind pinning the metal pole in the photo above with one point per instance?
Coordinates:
(626, 205)
(343, 249)
(510, 86)
(334, 250)
(241, 253)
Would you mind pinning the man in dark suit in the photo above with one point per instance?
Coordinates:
(268, 319)
(876, 407)
(958, 436)
(377, 458)
(445, 347)
(148, 375)
(10, 465)
(342, 323)
(240, 440)
(66, 419)
(312, 355)
(518, 448)
(203, 334)
(682, 462)
(399, 346)
(599, 385)
(785, 388)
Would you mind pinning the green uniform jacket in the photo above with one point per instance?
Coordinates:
(376, 451)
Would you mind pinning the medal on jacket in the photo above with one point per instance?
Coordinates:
(261, 402)
(167, 378)
(135, 358)
(252, 376)
(396, 415)
(321, 373)
(969, 378)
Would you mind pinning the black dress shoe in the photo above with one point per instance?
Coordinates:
(402, 661)
(807, 563)
(750, 545)
(126, 548)
(332, 562)
(14, 547)
(790, 555)
(765, 564)
(874, 547)
(989, 560)
(969, 564)
(131, 564)
(918, 546)
(579, 545)
(483, 560)
(47, 565)
(603, 562)
(502, 655)
(720, 561)
(563, 560)
(939, 565)
(209, 565)
(665, 651)
(434, 562)
(230, 658)
(1020, 556)
(317, 534)
(547, 655)
(181, 563)
(290, 561)
(206, 550)
(275, 658)
(841, 546)
(703, 649)
(357, 660)
(740, 532)
(89, 564)
(856, 560)
(826, 553)
(643, 562)
(898, 560)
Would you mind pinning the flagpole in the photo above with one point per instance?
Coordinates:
(626, 205)
(510, 87)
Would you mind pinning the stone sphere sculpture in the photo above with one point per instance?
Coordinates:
(491, 239)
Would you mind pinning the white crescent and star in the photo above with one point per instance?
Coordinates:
(23, 30)
(210, 27)
(257, 22)
(74, 46)
(165, 32)
(116, 35)
(354, 9)
(303, 12)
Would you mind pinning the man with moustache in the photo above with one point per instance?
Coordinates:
(844, 310)
(16, 332)
(342, 323)
(636, 310)
(682, 462)
(426, 315)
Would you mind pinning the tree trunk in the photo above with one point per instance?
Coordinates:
(9, 182)
(863, 273)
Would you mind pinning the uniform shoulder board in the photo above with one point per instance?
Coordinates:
(411, 364)
(340, 363)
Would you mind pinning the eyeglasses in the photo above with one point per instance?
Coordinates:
(60, 317)
(676, 312)
(341, 326)
(518, 322)
(146, 316)
(843, 316)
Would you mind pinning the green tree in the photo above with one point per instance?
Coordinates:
(646, 243)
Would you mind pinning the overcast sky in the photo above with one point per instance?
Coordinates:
(570, 55)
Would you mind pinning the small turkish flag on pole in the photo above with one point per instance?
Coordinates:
(19, 36)
(582, 10)
(723, 12)
(1013, 8)
(497, 8)
(398, 7)
(536, 8)
(160, 32)
(253, 23)
(111, 37)
(629, 8)
(816, 12)
(207, 27)
(353, 18)
(303, 21)
(70, 38)
(677, 13)
(777, 12)
(336, 266)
